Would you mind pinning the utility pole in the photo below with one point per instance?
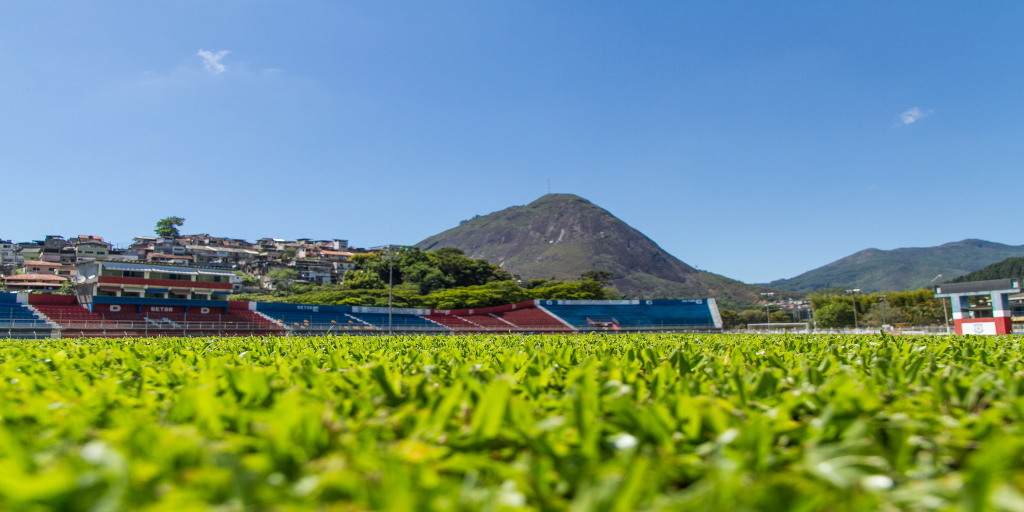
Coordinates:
(882, 299)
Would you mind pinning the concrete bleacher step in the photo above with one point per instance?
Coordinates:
(360, 320)
(503, 320)
(267, 318)
(468, 321)
(439, 324)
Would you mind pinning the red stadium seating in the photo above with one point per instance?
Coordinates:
(534, 319)
(452, 321)
(77, 321)
(523, 317)
(488, 322)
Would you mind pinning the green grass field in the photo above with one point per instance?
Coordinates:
(575, 423)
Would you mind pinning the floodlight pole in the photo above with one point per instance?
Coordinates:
(390, 286)
(854, 293)
(882, 299)
(945, 314)
(767, 310)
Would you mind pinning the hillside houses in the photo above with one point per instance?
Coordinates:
(55, 259)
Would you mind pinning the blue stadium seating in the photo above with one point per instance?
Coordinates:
(301, 317)
(636, 314)
(17, 321)
(316, 321)
(695, 314)
(399, 322)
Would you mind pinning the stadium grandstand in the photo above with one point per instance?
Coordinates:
(318, 320)
(636, 315)
(43, 316)
(106, 317)
(21, 321)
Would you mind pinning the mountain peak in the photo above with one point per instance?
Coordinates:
(558, 199)
(564, 235)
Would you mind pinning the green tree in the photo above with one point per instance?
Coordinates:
(363, 280)
(465, 271)
(431, 271)
(730, 319)
(482, 296)
(581, 290)
(375, 263)
(835, 314)
(282, 278)
(752, 316)
(247, 279)
(169, 226)
(433, 281)
(601, 276)
(65, 288)
(917, 307)
(893, 315)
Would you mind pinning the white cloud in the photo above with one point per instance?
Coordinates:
(913, 114)
(211, 60)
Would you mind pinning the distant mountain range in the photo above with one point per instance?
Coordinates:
(563, 235)
(874, 270)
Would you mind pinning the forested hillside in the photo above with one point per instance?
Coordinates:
(1006, 269)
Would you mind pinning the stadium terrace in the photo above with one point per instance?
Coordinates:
(35, 316)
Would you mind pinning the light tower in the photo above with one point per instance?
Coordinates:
(767, 310)
(853, 292)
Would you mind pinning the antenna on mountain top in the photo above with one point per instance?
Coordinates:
(549, 186)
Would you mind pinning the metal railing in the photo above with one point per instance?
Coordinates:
(638, 328)
(520, 328)
(928, 329)
(32, 329)
(371, 327)
(26, 334)
(793, 327)
(163, 328)
(31, 324)
(157, 325)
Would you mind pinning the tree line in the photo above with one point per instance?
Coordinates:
(912, 307)
(441, 279)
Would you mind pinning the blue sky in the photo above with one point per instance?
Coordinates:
(756, 141)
